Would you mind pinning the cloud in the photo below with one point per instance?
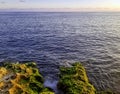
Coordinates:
(22, 0)
(2, 2)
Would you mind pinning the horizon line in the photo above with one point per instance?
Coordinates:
(60, 9)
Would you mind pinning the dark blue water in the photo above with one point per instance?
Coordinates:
(52, 39)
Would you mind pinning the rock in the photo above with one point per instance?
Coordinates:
(73, 80)
(16, 78)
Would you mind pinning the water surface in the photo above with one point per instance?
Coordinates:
(52, 39)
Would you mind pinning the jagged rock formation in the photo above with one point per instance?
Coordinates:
(73, 80)
(21, 79)
(16, 78)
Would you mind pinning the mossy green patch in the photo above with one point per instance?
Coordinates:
(73, 80)
(46, 91)
(23, 79)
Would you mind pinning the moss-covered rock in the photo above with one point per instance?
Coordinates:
(73, 80)
(21, 79)
(46, 91)
(25, 78)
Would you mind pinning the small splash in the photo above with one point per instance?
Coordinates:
(51, 84)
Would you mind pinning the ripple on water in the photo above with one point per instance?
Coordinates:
(52, 39)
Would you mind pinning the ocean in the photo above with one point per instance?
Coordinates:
(55, 39)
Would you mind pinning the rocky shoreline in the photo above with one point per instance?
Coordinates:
(73, 80)
(25, 78)
(16, 78)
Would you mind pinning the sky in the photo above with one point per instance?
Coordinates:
(60, 5)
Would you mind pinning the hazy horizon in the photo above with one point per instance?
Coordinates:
(60, 5)
(56, 10)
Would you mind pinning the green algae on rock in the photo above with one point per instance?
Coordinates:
(16, 78)
(73, 80)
